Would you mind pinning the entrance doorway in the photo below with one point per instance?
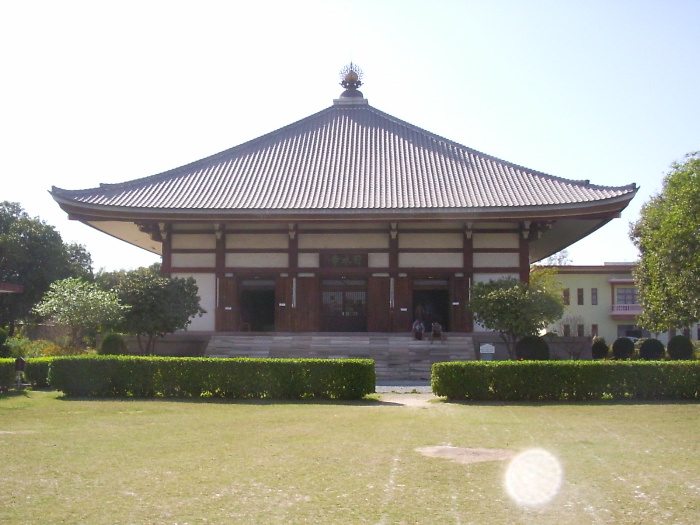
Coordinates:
(431, 302)
(258, 305)
(344, 305)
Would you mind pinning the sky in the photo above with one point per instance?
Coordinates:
(106, 92)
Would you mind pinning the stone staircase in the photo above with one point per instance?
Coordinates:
(396, 356)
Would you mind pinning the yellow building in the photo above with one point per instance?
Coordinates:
(602, 301)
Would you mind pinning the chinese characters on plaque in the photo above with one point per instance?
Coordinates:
(344, 260)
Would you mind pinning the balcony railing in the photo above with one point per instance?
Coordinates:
(626, 309)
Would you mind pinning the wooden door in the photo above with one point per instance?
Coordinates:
(344, 305)
(228, 307)
(403, 303)
(307, 307)
(378, 307)
(460, 318)
(283, 304)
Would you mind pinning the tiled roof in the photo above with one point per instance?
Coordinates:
(349, 156)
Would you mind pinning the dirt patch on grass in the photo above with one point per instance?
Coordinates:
(466, 455)
(409, 400)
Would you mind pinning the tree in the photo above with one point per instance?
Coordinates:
(516, 309)
(32, 254)
(81, 306)
(667, 235)
(558, 259)
(159, 305)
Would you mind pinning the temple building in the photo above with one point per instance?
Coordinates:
(349, 220)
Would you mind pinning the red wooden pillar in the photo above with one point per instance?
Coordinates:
(166, 265)
(220, 320)
(524, 264)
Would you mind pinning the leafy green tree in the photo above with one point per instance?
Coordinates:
(159, 305)
(32, 254)
(558, 259)
(516, 309)
(81, 306)
(667, 235)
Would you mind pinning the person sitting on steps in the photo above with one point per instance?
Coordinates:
(437, 331)
(418, 330)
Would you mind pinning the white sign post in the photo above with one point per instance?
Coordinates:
(486, 351)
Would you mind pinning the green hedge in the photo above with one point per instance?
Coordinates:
(122, 376)
(7, 373)
(566, 380)
(36, 372)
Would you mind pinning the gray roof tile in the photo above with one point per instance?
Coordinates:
(346, 157)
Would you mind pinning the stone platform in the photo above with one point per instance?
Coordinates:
(396, 356)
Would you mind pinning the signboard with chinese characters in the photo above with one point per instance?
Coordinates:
(344, 260)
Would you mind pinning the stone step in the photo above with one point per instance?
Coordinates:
(396, 356)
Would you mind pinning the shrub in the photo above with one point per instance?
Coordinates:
(532, 347)
(123, 376)
(7, 373)
(37, 371)
(22, 347)
(113, 344)
(599, 348)
(680, 347)
(623, 348)
(566, 380)
(4, 349)
(652, 350)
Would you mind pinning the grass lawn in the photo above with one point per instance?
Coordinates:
(176, 462)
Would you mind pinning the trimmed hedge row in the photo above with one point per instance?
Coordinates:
(566, 380)
(7, 373)
(124, 376)
(36, 372)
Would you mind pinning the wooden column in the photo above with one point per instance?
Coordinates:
(524, 259)
(166, 266)
(220, 262)
(461, 320)
(395, 290)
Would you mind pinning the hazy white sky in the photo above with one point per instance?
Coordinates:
(97, 92)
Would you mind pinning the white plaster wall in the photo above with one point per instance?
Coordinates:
(430, 260)
(315, 241)
(309, 260)
(496, 260)
(257, 260)
(233, 226)
(193, 260)
(378, 260)
(430, 240)
(189, 226)
(430, 225)
(496, 240)
(206, 282)
(345, 225)
(193, 241)
(497, 226)
(257, 240)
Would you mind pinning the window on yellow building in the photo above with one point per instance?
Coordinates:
(626, 296)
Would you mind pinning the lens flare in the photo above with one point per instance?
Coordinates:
(533, 477)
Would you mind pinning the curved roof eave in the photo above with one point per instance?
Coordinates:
(580, 209)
